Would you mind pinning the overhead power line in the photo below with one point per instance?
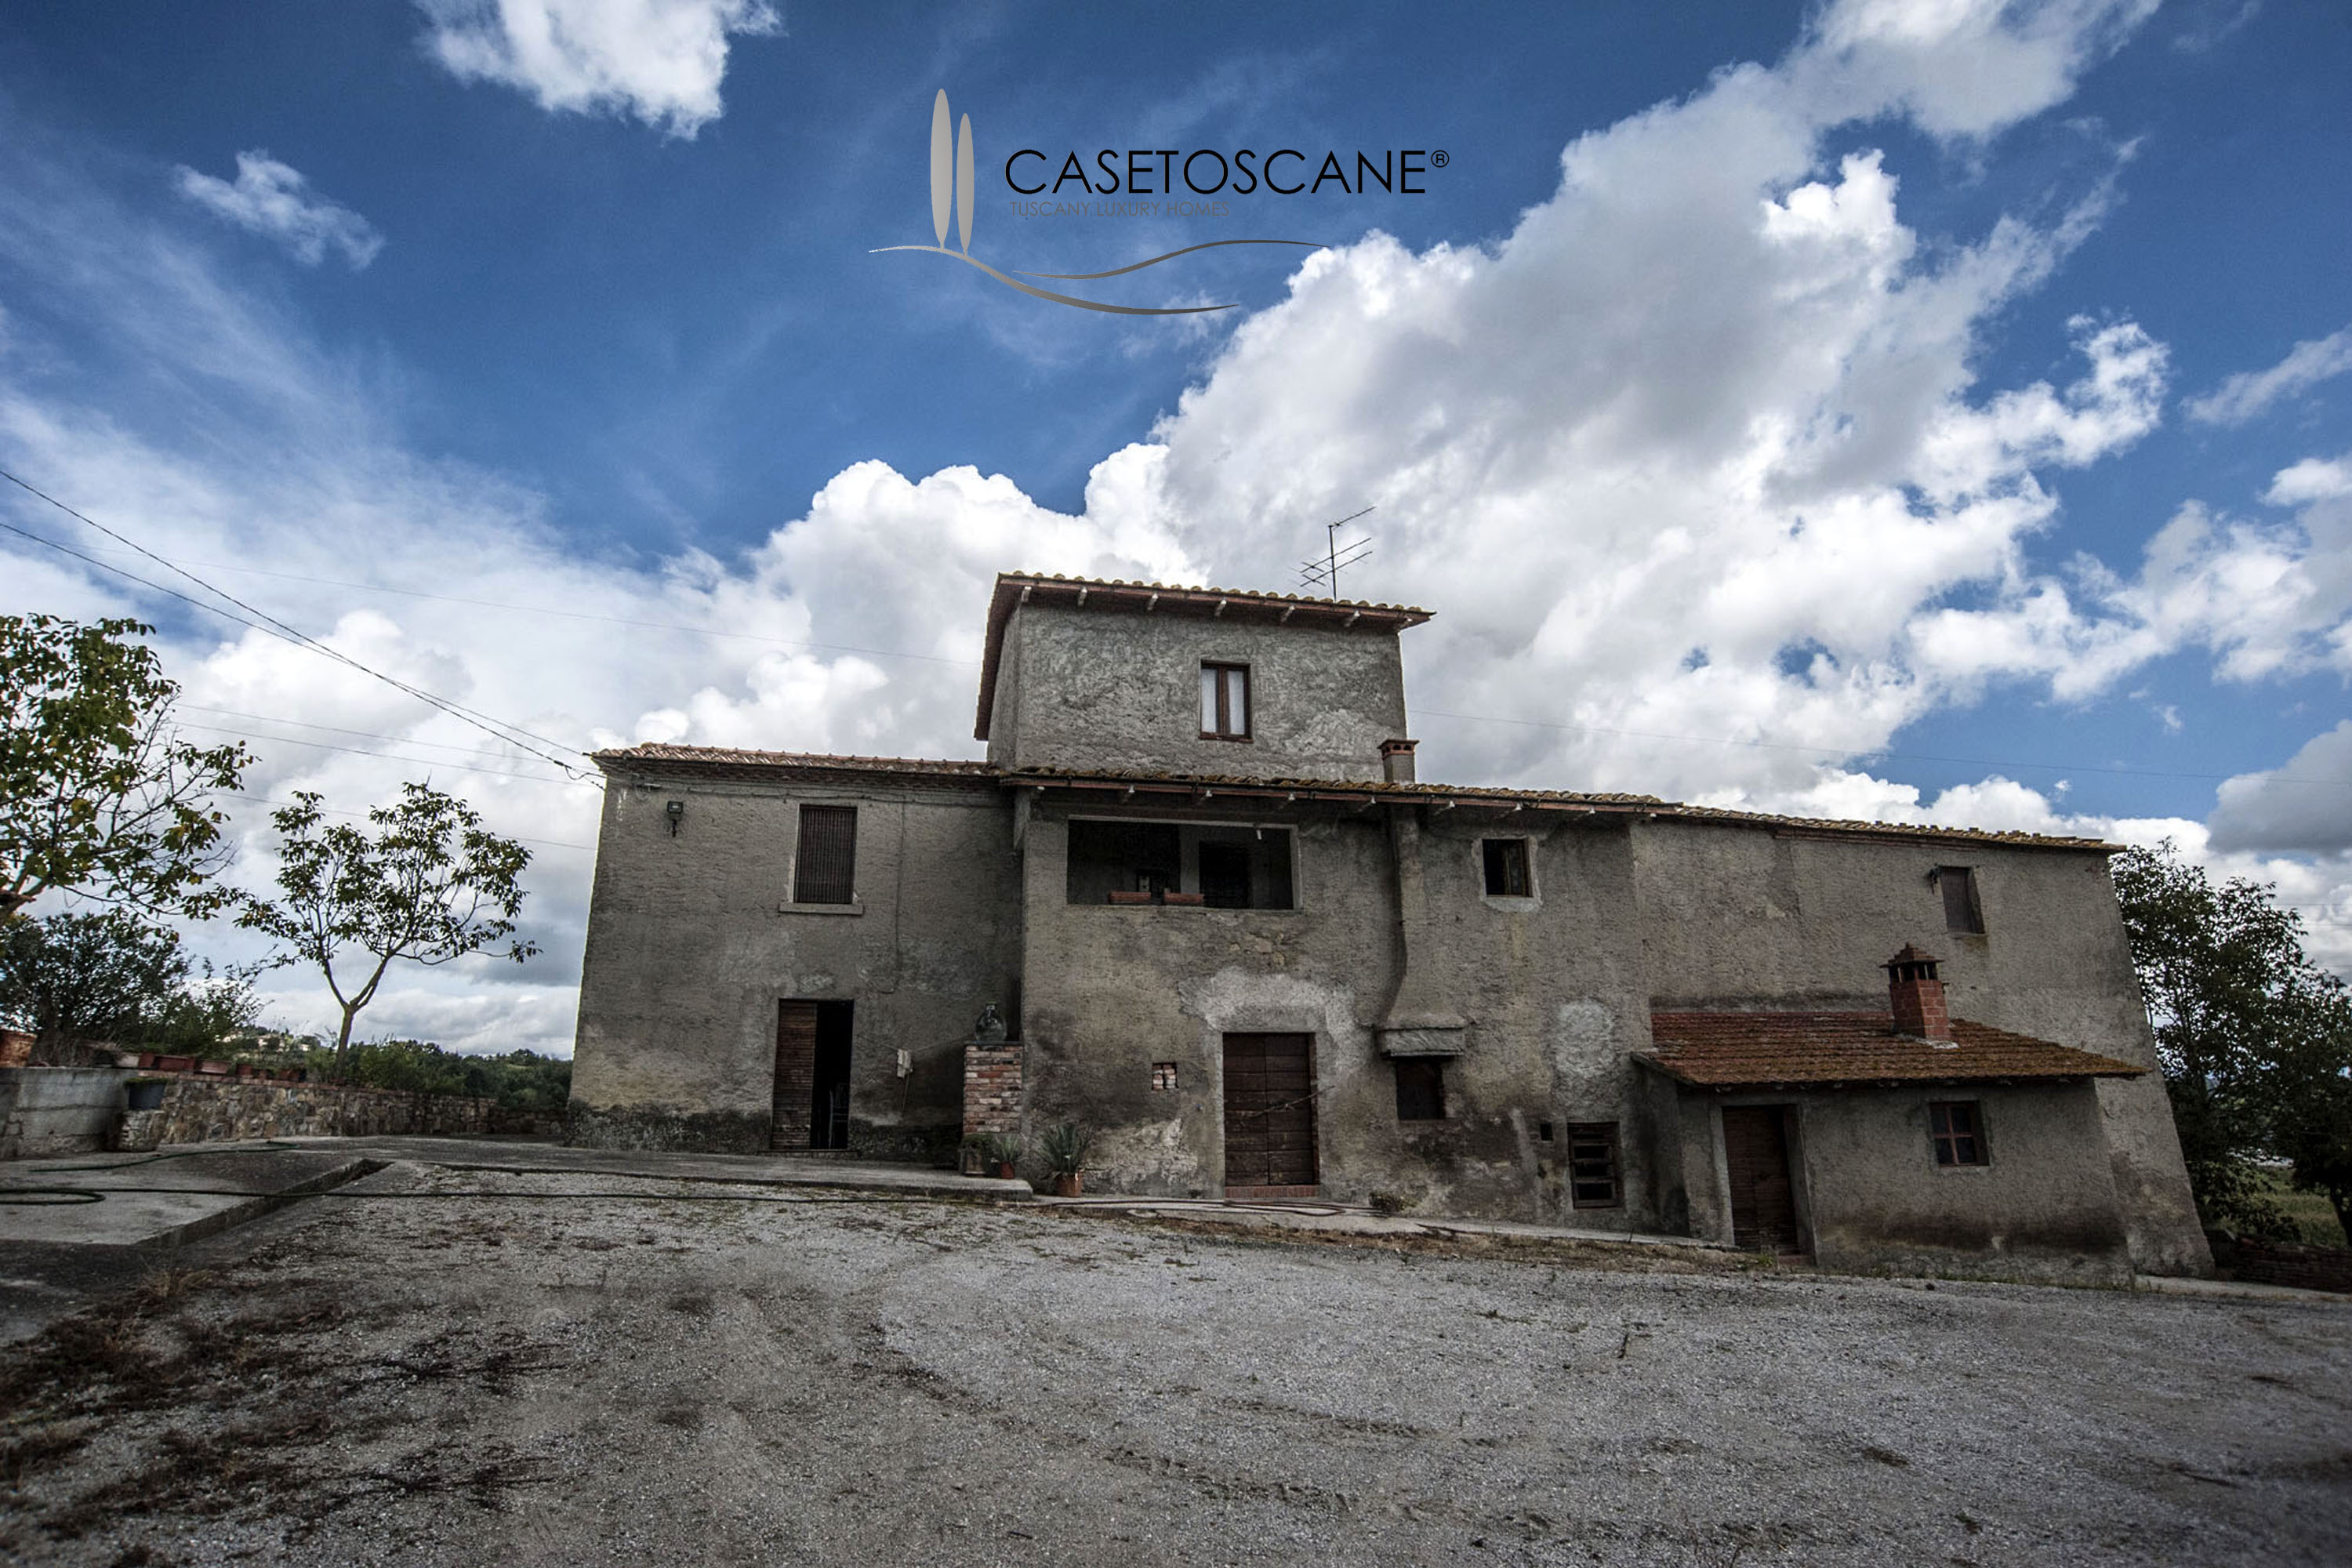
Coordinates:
(262, 621)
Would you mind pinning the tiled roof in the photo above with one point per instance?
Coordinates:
(1757, 1050)
(1559, 800)
(1014, 589)
(659, 757)
(729, 761)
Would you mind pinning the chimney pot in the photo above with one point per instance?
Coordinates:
(1917, 995)
(1396, 761)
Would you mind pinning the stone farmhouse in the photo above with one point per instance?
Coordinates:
(1227, 928)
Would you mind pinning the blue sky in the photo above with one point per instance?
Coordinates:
(1892, 409)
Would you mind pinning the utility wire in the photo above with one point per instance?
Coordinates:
(363, 752)
(492, 727)
(265, 622)
(337, 730)
(587, 615)
(330, 811)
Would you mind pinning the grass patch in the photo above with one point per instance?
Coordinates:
(2311, 1215)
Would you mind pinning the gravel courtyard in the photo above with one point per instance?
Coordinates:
(415, 1373)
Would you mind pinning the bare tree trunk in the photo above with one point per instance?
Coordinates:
(343, 1041)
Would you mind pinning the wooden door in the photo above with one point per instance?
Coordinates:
(1270, 1112)
(795, 1075)
(1763, 1202)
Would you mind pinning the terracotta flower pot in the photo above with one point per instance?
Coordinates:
(1004, 1171)
(1125, 896)
(1068, 1184)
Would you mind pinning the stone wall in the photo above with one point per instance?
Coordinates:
(216, 1110)
(2284, 1263)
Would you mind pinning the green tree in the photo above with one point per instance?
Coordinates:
(2255, 1040)
(110, 977)
(102, 976)
(98, 791)
(424, 883)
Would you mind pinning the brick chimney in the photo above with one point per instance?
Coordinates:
(1396, 761)
(1917, 996)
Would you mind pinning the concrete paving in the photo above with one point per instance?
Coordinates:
(162, 1199)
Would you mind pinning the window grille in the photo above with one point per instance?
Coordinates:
(825, 869)
(1592, 1164)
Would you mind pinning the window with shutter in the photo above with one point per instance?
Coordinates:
(824, 870)
(1962, 911)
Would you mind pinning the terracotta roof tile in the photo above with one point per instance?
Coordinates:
(658, 756)
(1756, 1050)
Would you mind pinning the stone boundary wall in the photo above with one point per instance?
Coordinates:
(206, 1109)
(991, 1090)
(2285, 1263)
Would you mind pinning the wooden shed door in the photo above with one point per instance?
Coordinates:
(1270, 1112)
(812, 1091)
(1763, 1204)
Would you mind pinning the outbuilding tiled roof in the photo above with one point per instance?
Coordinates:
(1014, 589)
(1774, 1050)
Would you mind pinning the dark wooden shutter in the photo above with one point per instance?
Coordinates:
(795, 1075)
(1269, 1110)
(1420, 1089)
(1960, 910)
(824, 870)
(1763, 1204)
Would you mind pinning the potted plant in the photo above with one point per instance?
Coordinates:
(993, 1154)
(1065, 1154)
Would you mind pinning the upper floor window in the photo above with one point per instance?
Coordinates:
(1962, 911)
(1506, 868)
(825, 869)
(1225, 703)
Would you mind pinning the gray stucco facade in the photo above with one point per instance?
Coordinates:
(1144, 898)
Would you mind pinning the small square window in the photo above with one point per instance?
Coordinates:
(1957, 1132)
(1421, 1089)
(1506, 868)
(1163, 1075)
(1225, 703)
(1592, 1164)
(1962, 911)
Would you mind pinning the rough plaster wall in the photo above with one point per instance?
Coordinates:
(688, 953)
(1735, 917)
(2043, 1207)
(1552, 988)
(1126, 695)
(1110, 990)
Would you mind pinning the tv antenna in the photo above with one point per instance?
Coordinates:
(1324, 572)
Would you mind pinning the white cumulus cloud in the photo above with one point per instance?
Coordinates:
(274, 200)
(2245, 397)
(660, 60)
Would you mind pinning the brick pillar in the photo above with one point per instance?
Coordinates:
(992, 1088)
